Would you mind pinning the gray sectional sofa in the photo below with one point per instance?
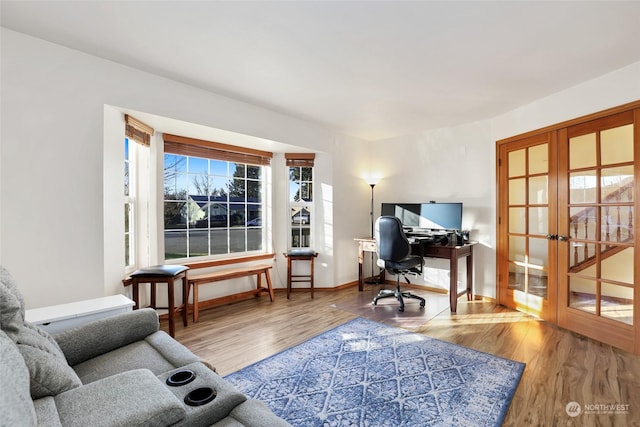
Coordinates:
(117, 371)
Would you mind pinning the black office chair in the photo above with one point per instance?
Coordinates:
(394, 256)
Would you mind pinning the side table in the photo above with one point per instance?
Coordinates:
(162, 274)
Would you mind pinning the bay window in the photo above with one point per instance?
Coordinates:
(214, 199)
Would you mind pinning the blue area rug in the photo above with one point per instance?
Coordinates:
(364, 373)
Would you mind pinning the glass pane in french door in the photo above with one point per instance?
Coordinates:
(528, 223)
(601, 235)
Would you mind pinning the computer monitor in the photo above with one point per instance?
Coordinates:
(429, 216)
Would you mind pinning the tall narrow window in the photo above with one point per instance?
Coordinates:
(300, 198)
(129, 204)
(136, 190)
(213, 198)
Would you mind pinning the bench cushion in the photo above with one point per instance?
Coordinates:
(301, 252)
(160, 271)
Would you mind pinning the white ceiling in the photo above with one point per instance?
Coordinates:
(373, 70)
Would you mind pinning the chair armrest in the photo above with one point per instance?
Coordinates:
(134, 397)
(104, 335)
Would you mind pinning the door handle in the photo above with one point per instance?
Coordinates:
(552, 236)
(563, 238)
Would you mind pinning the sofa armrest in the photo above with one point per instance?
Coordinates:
(136, 398)
(256, 413)
(104, 335)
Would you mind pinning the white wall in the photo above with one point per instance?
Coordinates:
(610, 90)
(446, 165)
(57, 226)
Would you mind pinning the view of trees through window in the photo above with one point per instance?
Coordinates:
(211, 207)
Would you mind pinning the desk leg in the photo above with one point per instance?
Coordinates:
(312, 259)
(360, 264)
(288, 276)
(470, 275)
(453, 277)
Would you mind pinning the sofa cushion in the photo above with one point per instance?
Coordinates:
(49, 372)
(11, 303)
(158, 352)
(137, 355)
(104, 335)
(16, 405)
(228, 422)
(47, 412)
(132, 398)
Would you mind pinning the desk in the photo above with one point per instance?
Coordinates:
(452, 253)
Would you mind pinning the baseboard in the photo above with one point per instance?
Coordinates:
(434, 289)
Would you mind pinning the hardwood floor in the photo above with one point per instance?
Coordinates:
(562, 367)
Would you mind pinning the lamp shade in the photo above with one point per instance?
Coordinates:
(372, 179)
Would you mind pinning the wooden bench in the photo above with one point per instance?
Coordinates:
(195, 280)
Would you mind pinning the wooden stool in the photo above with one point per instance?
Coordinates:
(300, 255)
(162, 274)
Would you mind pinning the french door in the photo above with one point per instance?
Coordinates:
(598, 261)
(567, 226)
(527, 219)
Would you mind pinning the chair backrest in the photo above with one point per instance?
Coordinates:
(392, 244)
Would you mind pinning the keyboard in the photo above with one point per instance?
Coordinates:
(423, 239)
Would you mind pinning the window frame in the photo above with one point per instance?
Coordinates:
(130, 174)
(247, 159)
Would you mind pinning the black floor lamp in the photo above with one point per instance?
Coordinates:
(372, 181)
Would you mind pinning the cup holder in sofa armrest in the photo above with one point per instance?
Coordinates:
(200, 396)
(181, 377)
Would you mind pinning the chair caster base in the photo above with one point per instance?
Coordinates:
(399, 296)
